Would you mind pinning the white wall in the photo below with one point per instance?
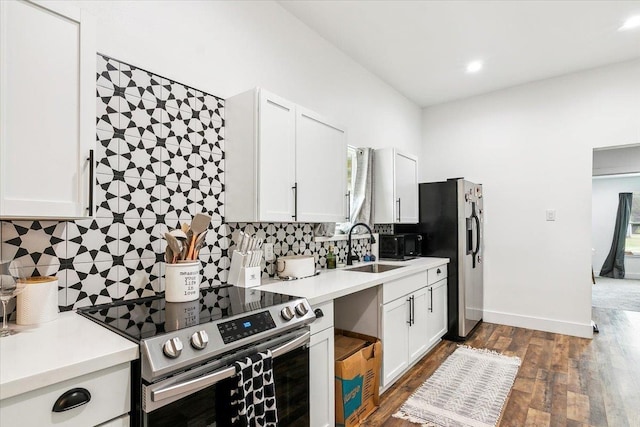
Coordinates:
(603, 220)
(227, 47)
(531, 146)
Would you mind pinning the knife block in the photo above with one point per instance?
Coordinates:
(245, 277)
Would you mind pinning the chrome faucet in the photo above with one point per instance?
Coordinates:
(372, 240)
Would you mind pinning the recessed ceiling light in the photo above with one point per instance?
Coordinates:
(630, 23)
(474, 66)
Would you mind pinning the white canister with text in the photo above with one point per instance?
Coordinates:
(182, 281)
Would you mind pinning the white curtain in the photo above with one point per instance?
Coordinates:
(362, 198)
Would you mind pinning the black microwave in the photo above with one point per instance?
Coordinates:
(400, 246)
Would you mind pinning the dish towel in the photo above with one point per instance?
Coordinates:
(253, 402)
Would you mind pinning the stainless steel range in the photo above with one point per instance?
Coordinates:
(185, 373)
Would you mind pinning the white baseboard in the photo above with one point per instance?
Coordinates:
(635, 276)
(538, 323)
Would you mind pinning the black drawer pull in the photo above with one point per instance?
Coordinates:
(318, 312)
(438, 271)
(72, 399)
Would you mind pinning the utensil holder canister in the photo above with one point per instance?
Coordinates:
(38, 303)
(182, 281)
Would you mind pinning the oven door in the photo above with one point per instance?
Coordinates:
(204, 400)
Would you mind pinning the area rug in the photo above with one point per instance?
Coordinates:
(468, 390)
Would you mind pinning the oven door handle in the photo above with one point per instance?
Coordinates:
(222, 374)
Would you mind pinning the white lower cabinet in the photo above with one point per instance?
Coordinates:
(419, 327)
(395, 340)
(322, 369)
(414, 319)
(437, 313)
(107, 394)
(405, 329)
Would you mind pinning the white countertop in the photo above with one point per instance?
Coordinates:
(56, 351)
(332, 284)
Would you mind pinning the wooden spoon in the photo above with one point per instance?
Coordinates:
(199, 224)
(174, 244)
(199, 243)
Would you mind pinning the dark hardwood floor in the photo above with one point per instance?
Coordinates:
(563, 380)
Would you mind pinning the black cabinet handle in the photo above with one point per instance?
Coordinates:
(91, 166)
(295, 201)
(72, 399)
(438, 271)
(318, 312)
(410, 311)
(431, 297)
(398, 202)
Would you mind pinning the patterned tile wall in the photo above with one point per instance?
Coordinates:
(159, 161)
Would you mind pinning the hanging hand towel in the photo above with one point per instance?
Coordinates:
(254, 401)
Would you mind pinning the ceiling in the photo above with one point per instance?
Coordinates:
(421, 48)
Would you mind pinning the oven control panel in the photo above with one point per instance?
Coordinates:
(246, 326)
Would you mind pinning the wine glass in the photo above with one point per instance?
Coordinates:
(11, 284)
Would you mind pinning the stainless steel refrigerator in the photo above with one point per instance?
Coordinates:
(451, 218)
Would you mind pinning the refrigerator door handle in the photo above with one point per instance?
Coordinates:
(476, 219)
(469, 230)
(475, 252)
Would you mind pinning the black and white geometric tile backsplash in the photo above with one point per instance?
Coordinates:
(159, 161)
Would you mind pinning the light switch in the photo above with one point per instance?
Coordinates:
(551, 214)
(268, 251)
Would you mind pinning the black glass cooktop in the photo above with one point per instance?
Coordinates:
(147, 317)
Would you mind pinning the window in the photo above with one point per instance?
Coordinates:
(632, 243)
(351, 172)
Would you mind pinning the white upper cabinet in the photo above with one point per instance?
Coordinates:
(395, 187)
(47, 110)
(321, 175)
(276, 139)
(283, 163)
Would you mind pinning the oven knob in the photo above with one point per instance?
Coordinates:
(287, 314)
(301, 309)
(172, 348)
(199, 340)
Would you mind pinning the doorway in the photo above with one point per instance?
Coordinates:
(616, 170)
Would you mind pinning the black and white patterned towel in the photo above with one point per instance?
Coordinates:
(254, 401)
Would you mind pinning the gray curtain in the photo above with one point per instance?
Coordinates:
(614, 264)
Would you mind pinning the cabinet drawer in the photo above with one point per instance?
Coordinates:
(324, 322)
(397, 288)
(110, 398)
(437, 273)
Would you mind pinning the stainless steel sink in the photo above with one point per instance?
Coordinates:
(375, 268)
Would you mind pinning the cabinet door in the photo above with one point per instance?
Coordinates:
(321, 169)
(437, 311)
(418, 331)
(406, 176)
(395, 340)
(321, 379)
(47, 116)
(276, 154)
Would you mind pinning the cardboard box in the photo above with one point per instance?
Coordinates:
(358, 358)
